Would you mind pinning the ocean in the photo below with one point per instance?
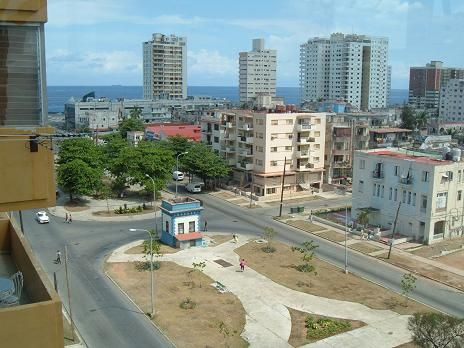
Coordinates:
(59, 95)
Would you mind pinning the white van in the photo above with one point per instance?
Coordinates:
(193, 187)
(178, 176)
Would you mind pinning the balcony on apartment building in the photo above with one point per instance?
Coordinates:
(228, 125)
(245, 139)
(302, 154)
(245, 165)
(246, 127)
(304, 127)
(304, 166)
(406, 181)
(305, 140)
(377, 174)
(245, 152)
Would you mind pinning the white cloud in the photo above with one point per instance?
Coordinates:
(211, 63)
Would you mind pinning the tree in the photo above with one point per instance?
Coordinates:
(363, 218)
(408, 118)
(199, 267)
(154, 249)
(307, 250)
(421, 120)
(178, 144)
(78, 178)
(83, 149)
(436, 330)
(132, 123)
(408, 284)
(269, 234)
(204, 163)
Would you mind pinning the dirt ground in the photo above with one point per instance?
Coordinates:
(298, 333)
(305, 225)
(332, 235)
(364, 247)
(329, 282)
(424, 269)
(76, 206)
(455, 260)
(435, 249)
(216, 321)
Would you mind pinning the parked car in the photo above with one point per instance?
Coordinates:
(42, 217)
(193, 187)
(178, 176)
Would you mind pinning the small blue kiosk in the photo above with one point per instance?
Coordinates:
(180, 221)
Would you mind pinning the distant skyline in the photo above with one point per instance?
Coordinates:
(99, 42)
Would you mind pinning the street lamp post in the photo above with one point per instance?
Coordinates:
(177, 166)
(152, 313)
(346, 233)
(154, 201)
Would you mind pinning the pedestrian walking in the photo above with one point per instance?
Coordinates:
(58, 257)
(234, 236)
(242, 265)
(70, 218)
(206, 226)
(66, 220)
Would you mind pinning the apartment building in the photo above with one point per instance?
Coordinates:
(426, 81)
(424, 191)
(165, 67)
(352, 68)
(104, 113)
(26, 174)
(348, 132)
(259, 144)
(257, 72)
(452, 101)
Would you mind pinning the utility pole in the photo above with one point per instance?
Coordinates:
(394, 230)
(251, 189)
(282, 188)
(69, 290)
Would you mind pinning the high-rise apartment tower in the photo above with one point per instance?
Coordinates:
(352, 68)
(257, 73)
(165, 67)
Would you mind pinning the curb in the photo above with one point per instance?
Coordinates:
(82, 342)
(94, 218)
(375, 258)
(141, 311)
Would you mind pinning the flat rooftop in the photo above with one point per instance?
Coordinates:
(419, 157)
(389, 130)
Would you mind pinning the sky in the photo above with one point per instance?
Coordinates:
(99, 42)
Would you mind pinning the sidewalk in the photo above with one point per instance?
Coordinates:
(268, 322)
(92, 206)
(425, 267)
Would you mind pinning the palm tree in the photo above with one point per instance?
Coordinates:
(363, 217)
(421, 120)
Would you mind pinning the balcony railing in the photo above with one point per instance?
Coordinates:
(304, 153)
(377, 174)
(406, 181)
(304, 127)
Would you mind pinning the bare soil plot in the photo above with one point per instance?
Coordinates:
(330, 282)
(76, 206)
(294, 200)
(424, 269)
(217, 320)
(365, 247)
(408, 345)
(455, 259)
(298, 333)
(332, 235)
(305, 225)
(435, 249)
(221, 238)
(164, 249)
(225, 195)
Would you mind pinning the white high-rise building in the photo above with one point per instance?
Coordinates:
(452, 101)
(257, 73)
(353, 68)
(165, 67)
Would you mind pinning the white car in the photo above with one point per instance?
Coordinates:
(193, 187)
(178, 176)
(42, 217)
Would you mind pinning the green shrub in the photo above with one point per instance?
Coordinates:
(133, 210)
(325, 327)
(187, 304)
(139, 209)
(145, 265)
(144, 206)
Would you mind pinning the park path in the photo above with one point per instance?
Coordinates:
(268, 321)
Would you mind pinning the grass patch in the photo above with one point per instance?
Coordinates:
(365, 247)
(299, 332)
(195, 327)
(330, 282)
(305, 225)
(332, 235)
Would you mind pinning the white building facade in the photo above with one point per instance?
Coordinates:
(165, 67)
(257, 72)
(452, 101)
(426, 191)
(352, 68)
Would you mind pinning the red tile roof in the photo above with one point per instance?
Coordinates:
(188, 236)
(170, 130)
(418, 159)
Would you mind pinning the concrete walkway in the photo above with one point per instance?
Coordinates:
(268, 322)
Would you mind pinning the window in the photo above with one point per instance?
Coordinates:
(374, 190)
(317, 134)
(382, 191)
(273, 136)
(271, 190)
(317, 121)
(362, 164)
(288, 148)
(395, 197)
(316, 159)
(459, 176)
(397, 170)
(442, 198)
(390, 195)
(409, 197)
(290, 136)
(414, 199)
(180, 228)
(273, 163)
(459, 195)
(274, 122)
(216, 139)
(290, 121)
(423, 202)
(216, 127)
(260, 122)
(192, 226)
(259, 148)
(274, 149)
(404, 196)
(167, 226)
(361, 186)
(425, 176)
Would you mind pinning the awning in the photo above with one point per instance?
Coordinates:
(369, 209)
(188, 236)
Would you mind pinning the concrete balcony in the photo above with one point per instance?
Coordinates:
(249, 140)
(246, 127)
(302, 154)
(246, 166)
(230, 150)
(378, 174)
(302, 141)
(206, 131)
(231, 161)
(406, 181)
(245, 153)
(304, 127)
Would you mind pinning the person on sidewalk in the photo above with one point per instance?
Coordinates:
(234, 236)
(70, 218)
(67, 218)
(206, 226)
(242, 265)
(58, 257)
